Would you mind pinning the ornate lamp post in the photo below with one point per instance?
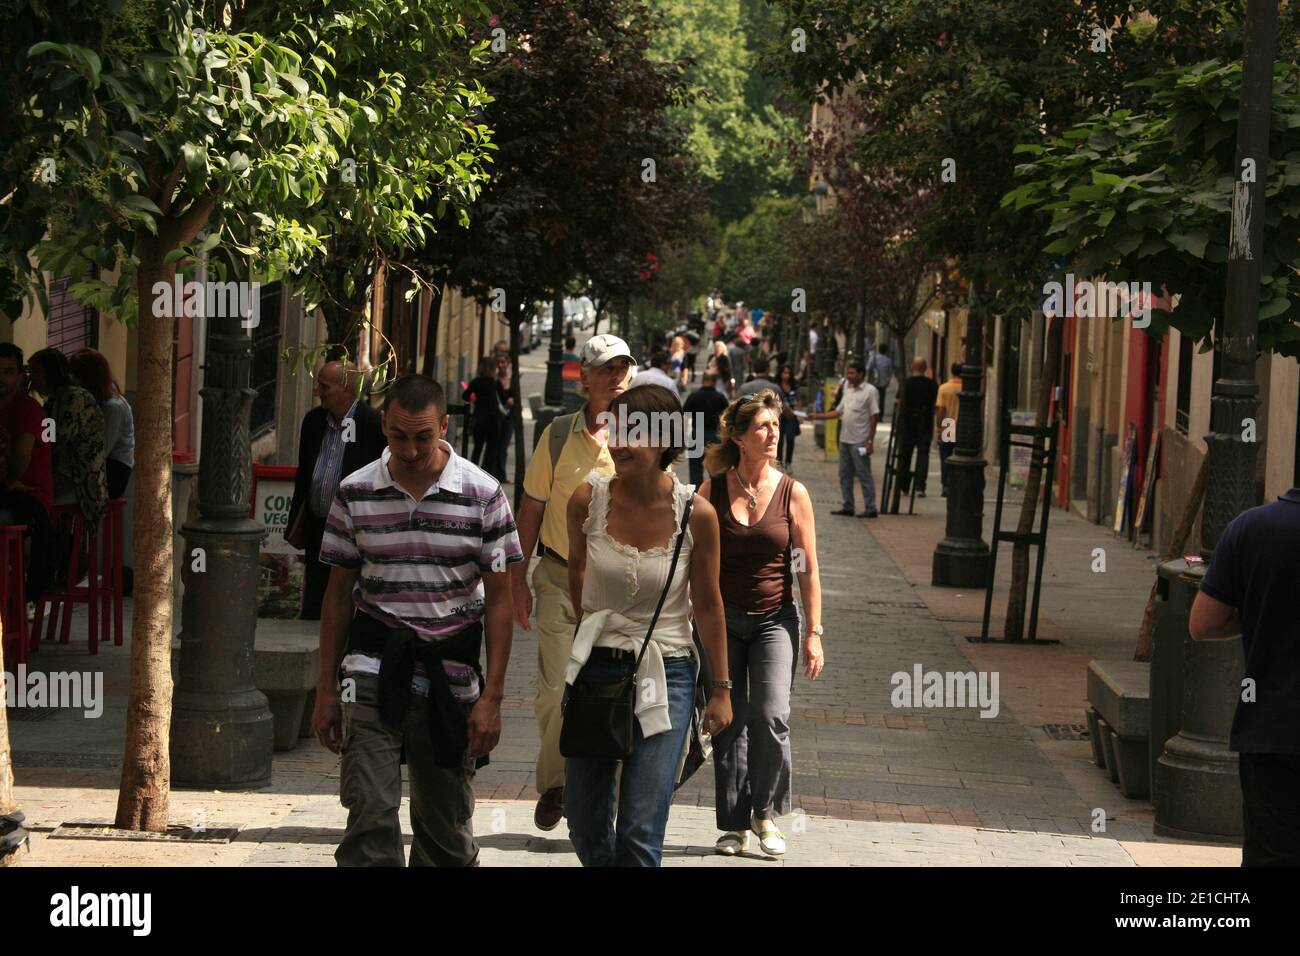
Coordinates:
(962, 558)
(1197, 791)
(221, 725)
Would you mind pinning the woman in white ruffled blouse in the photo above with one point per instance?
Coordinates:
(622, 531)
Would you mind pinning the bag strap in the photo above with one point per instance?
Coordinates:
(672, 570)
(560, 428)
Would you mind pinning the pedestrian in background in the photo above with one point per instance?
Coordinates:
(489, 405)
(339, 436)
(1250, 589)
(946, 404)
(80, 474)
(658, 372)
(91, 370)
(704, 408)
(562, 463)
(26, 477)
(768, 534)
(916, 425)
(623, 529)
(788, 388)
(880, 372)
(419, 542)
(505, 376)
(858, 408)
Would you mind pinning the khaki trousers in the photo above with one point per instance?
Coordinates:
(370, 787)
(556, 623)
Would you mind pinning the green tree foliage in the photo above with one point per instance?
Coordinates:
(737, 132)
(138, 123)
(1147, 196)
(758, 265)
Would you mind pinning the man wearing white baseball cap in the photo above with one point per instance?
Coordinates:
(569, 449)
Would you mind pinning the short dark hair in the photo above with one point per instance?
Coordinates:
(570, 342)
(858, 364)
(956, 368)
(659, 358)
(9, 350)
(415, 393)
(649, 400)
(762, 366)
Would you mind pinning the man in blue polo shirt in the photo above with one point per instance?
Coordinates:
(1251, 589)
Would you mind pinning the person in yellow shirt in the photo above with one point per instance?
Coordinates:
(570, 448)
(945, 420)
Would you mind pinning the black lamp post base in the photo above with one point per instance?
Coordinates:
(221, 741)
(222, 729)
(959, 564)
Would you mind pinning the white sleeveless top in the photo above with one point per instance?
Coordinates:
(620, 590)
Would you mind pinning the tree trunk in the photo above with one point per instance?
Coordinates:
(1014, 629)
(146, 764)
(1176, 545)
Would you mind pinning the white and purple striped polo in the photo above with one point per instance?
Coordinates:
(421, 562)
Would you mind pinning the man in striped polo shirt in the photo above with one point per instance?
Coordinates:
(420, 541)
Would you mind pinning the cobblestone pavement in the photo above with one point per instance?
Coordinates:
(873, 784)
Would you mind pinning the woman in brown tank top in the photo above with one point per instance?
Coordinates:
(768, 536)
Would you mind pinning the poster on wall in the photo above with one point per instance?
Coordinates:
(1148, 484)
(1021, 454)
(279, 590)
(1125, 495)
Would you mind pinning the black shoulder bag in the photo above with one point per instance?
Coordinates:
(598, 717)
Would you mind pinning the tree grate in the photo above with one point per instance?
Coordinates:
(175, 833)
(1066, 731)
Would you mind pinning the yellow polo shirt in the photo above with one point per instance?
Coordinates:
(581, 454)
(948, 400)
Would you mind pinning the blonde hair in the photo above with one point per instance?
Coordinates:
(724, 455)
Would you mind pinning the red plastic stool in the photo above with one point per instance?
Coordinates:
(72, 592)
(13, 594)
(110, 564)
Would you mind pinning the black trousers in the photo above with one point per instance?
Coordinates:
(918, 448)
(1270, 804)
(315, 578)
(18, 507)
(487, 436)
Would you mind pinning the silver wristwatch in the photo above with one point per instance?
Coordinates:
(817, 629)
(724, 684)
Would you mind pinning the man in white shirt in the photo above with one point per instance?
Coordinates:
(858, 411)
(657, 373)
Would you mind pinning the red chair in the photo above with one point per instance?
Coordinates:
(103, 588)
(13, 597)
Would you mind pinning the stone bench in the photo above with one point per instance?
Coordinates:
(286, 666)
(1119, 723)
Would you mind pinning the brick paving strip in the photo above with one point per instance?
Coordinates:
(873, 784)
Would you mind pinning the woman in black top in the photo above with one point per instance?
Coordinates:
(489, 411)
(789, 421)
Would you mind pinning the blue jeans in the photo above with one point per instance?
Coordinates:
(645, 789)
(855, 462)
(751, 758)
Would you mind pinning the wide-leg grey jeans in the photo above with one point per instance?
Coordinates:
(751, 758)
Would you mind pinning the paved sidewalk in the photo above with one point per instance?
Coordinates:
(874, 784)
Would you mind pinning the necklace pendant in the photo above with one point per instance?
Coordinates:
(753, 503)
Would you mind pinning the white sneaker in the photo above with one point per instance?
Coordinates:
(733, 842)
(770, 840)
